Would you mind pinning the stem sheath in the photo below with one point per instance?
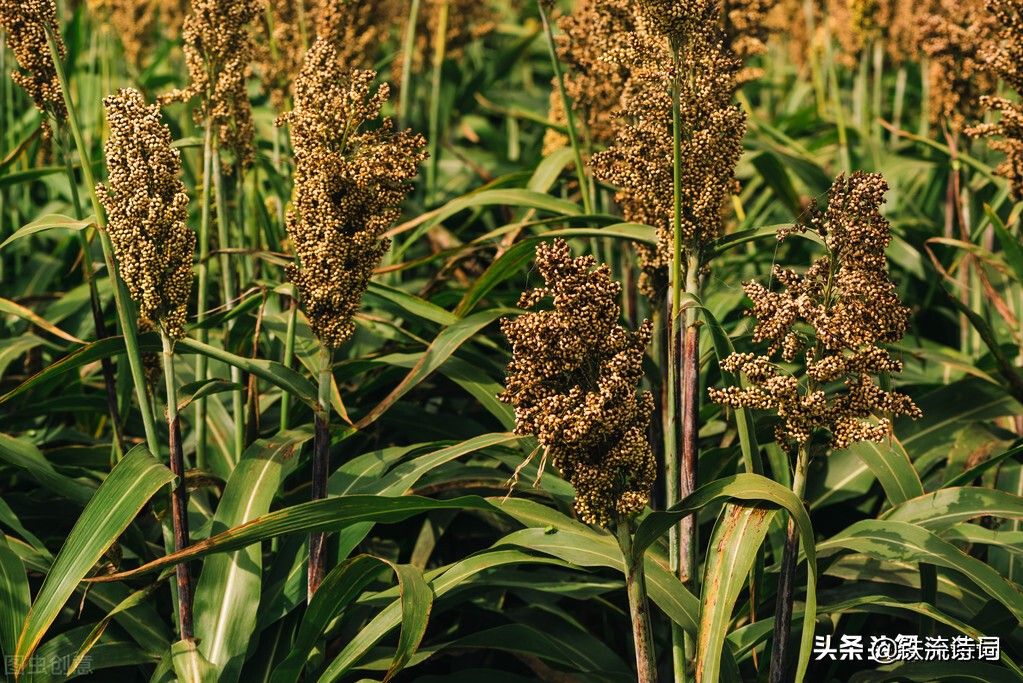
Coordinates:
(787, 578)
(179, 496)
(639, 611)
(321, 467)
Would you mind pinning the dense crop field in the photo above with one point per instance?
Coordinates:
(508, 340)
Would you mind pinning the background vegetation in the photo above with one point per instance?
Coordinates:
(437, 571)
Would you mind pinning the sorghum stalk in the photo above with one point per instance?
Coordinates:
(673, 463)
(439, 48)
(179, 497)
(639, 609)
(321, 467)
(227, 282)
(289, 357)
(573, 136)
(405, 111)
(787, 577)
(125, 313)
(203, 289)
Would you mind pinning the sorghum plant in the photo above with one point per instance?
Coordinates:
(147, 207)
(349, 183)
(1004, 57)
(830, 322)
(573, 381)
(675, 165)
(26, 24)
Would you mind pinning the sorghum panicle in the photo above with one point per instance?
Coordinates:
(132, 22)
(1004, 57)
(640, 162)
(146, 209)
(746, 30)
(218, 48)
(349, 183)
(573, 382)
(955, 37)
(593, 84)
(832, 317)
(26, 23)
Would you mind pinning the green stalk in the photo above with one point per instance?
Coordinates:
(639, 610)
(321, 467)
(899, 100)
(682, 647)
(125, 312)
(573, 136)
(202, 295)
(405, 115)
(227, 283)
(289, 356)
(179, 496)
(439, 50)
(814, 58)
(107, 367)
(787, 577)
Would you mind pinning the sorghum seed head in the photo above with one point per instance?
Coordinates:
(573, 382)
(26, 23)
(1004, 55)
(640, 163)
(849, 303)
(146, 209)
(218, 48)
(349, 184)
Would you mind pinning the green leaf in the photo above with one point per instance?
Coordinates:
(228, 590)
(339, 588)
(416, 604)
(737, 538)
(128, 487)
(134, 600)
(49, 222)
(892, 468)
(945, 508)
(446, 343)
(193, 391)
(25, 456)
(903, 542)
(442, 582)
(14, 596)
(12, 179)
(1011, 246)
(7, 306)
(331, 514)
(414, 305)
(971, 474)
(271, 371)
(745, 487)
(189, 664)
